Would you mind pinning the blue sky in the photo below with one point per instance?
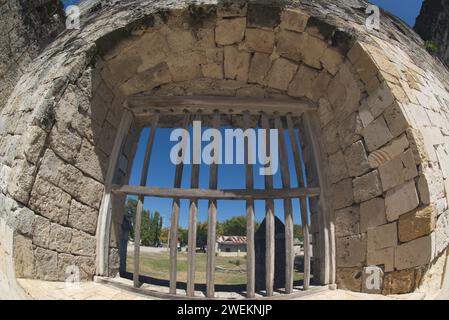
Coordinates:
(162, 174)
(69, 2)
(407, 10)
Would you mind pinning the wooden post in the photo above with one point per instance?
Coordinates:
(288, 211)
(104, 217)
(137, 226)
(269, 222)
(212, 224)
(326, 236)
(250, 250)
(304, 213)
(140, 202)
(173, 242)
(193, 211)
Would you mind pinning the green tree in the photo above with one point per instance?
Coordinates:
(431, 46)
(151, 225)
(201, 235)
(219, 229)
(165, 232)
(183, 237)
(236, 226)
(146, 237)
(130, 212)
(297, 232)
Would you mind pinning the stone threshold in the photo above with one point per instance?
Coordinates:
(157, 292)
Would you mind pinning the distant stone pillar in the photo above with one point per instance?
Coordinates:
(279, 260)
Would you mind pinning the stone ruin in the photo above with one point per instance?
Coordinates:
(382, 127)
(279, 262)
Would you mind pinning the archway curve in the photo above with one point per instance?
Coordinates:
(378, 102)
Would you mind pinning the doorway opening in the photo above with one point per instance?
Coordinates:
(270, 254)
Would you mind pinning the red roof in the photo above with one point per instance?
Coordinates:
(233, 240)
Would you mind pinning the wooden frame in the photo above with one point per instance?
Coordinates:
(145, 108)
(212, 223)
(327, 248)
(173, 242)
(207, 194)
(193, 212)
(304, 216)
(105, 212)
(250, 220)
(288, 210)
(269, 224)
(207, 105)
(141, 200)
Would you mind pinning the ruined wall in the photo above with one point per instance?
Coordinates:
(382, 125)
(433, 25)
(27, 26)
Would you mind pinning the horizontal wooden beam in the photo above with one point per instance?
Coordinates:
(240, 194)
(146, 105)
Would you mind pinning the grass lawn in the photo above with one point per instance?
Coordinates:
(156, 265)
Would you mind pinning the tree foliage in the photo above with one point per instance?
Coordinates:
(153, 234)
(236, 226)
(151, 226)
(201, 235)
(297, 232)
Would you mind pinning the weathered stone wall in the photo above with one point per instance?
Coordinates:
(433, 25)
(404, 129)
(383, 122)
(27, 26)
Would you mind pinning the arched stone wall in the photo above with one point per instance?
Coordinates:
(381, 134)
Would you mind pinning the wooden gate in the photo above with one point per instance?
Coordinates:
(218, 111)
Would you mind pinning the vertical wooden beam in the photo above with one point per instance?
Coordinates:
(137, 226)
(288, 211)
(250, 250)
(140, 202)
(104, 217)
(175, 216)
(269, 222)
(304, 213)
(327, 247)
(193, 212)
(212, 223)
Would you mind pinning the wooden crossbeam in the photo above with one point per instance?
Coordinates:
(206, 194)
(304, 214)
(144, 105)
(140, 202)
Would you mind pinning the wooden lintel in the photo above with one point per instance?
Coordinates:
(174, 105)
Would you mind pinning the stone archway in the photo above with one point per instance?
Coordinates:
(380, 133)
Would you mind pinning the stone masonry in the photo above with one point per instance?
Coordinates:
(27, 27)
(382, 123)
